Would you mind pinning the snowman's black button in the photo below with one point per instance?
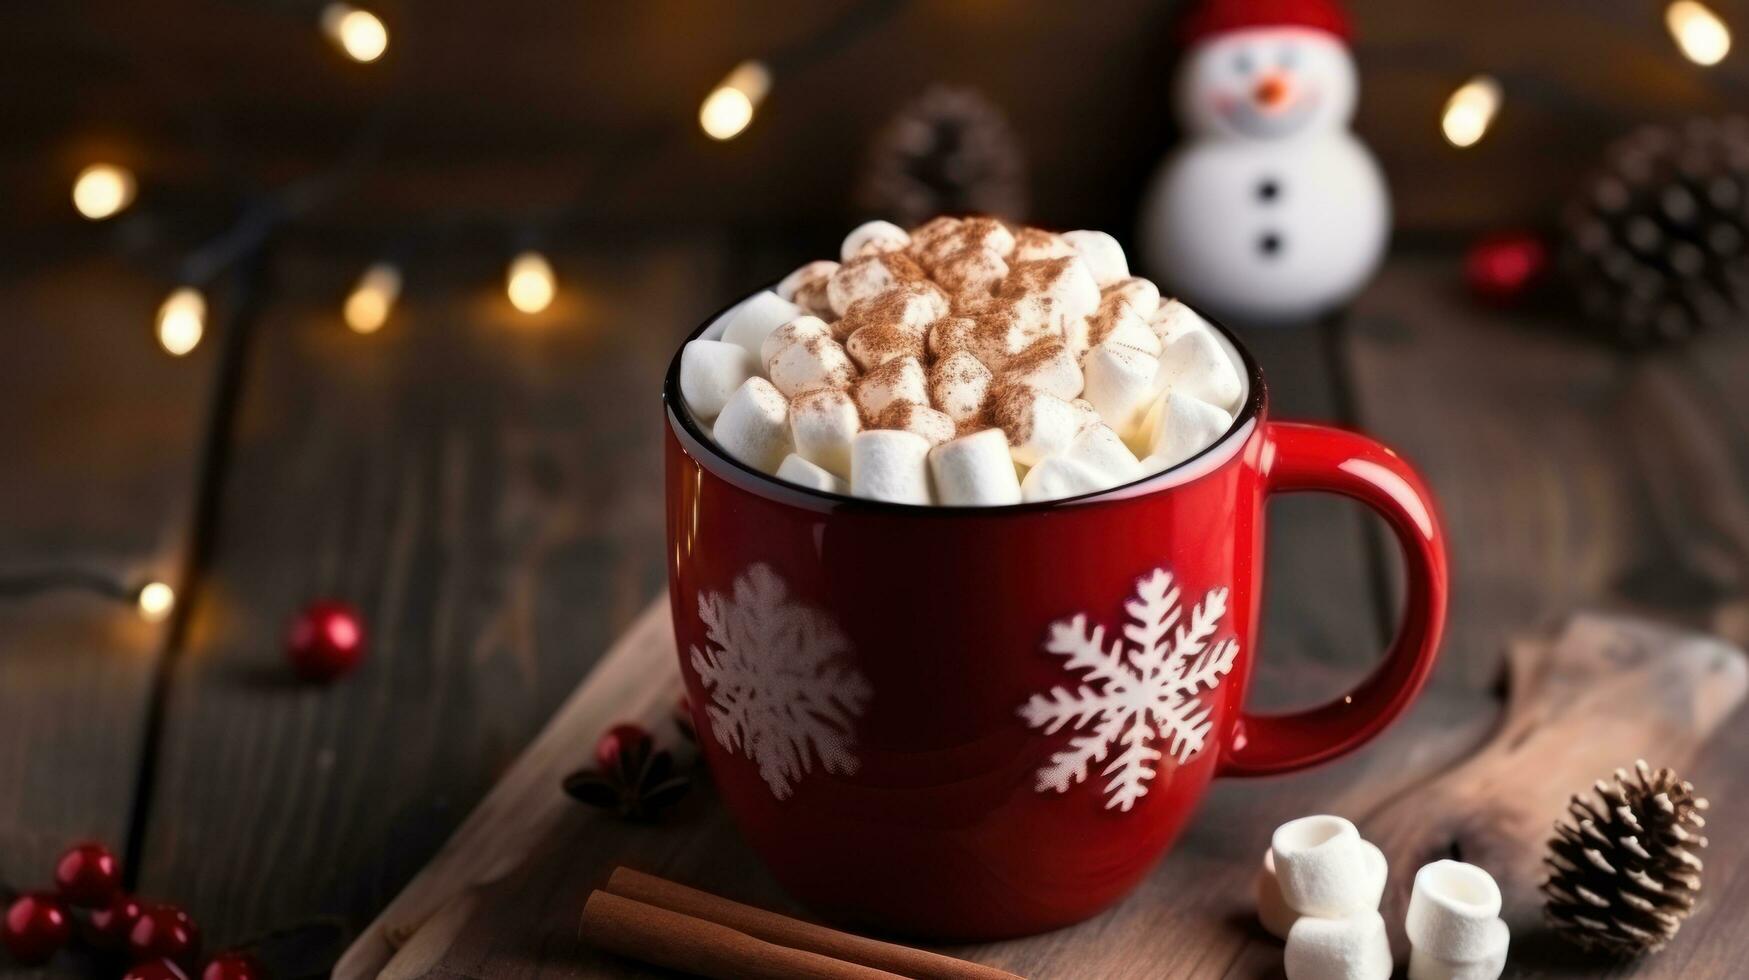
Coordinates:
(1268, 190)
(1269, 244)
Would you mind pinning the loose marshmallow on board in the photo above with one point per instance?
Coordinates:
(710, 372)
(1101, 253)
(1058, 477)
(1273, 911)
(889, 465)
(1322, 865)
(975, 471)
(822, 424)
(754, 426)
(755, 319)
(873, 237)
(805, 474)
(1452, 911)
(1120, 382)
(1178, 427)
(1353, 947)
(1425, 966)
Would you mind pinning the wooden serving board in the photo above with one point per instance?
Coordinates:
(1463, 774)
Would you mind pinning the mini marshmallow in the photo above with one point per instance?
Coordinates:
(1451, 911)
(988, 234)
(813, 476)
(1050, 294)
(889, 465)
(878, 343)
(1047, 366)
(1058, 477)
(806, 287)
(1273, 911)
(1120, 384)
(1351, 948)
(1101, 450)
(898, 380)
(1115, 322)
(971, 272)
(1194, 364)
(911, 306)
(938, 240)
(755, 319)
(1033, 244)
(1038, 424)
(754, 426)
(975, 471)
(1140, 295)
(868, 276)
(935, 427)
(935, 239)
(952, 334)
(1172, 318)
(811, 362)
(1323, 866)
(801, 328)
(873, 237)
(1425, 966)
(1178, 427)
(959, 385)
(822, 424)
(1102, 254)
(710, 372)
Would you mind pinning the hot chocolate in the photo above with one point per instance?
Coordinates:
(963, 363)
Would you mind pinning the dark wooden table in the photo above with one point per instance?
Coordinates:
(484, 487)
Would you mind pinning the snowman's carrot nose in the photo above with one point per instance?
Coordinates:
(1271, 92)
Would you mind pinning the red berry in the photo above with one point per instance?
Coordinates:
(159, 969)
(165, 931)
(36, 927)
(326, 640)
(111, 927)
(234, 965)
(88, 875)
(1501, 268)
(617, 741)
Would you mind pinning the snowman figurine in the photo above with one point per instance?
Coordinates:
(1271, 211)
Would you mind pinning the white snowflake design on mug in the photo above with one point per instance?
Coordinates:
(1133, 695)
(784, 689)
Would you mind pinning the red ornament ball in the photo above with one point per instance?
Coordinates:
(326, 640)
(1500, 268)
(159, 969)
(234, 964)
(110, 927)
(617, 742)
(35, 928)
(88, 876)
(165, 932)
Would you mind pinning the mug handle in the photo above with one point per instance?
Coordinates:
(1299, 457)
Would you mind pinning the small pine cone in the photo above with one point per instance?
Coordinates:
(1656, 243)
(1624, 873)
(949, 152)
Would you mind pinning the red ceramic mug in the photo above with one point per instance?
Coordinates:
(974, 723)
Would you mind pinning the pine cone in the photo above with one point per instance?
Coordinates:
(1656, 245)
(1624, 874)
(949, 152)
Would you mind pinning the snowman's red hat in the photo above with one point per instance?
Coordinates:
(1212, 17)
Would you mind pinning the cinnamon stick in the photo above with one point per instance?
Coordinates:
(795, 933)
(662, 937)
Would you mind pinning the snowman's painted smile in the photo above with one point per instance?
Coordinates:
(1284, 117)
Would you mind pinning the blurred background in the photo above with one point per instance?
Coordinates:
(369, 306)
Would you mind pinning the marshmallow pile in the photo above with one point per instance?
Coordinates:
(1320, 888)
(963, 363)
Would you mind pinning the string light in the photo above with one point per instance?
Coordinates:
(102, 190)
(729, 108)
(359, 33)
(182, 320)
(1470, 111)
(367, 307)
(155, 600)
(1702, 36)
(530, 283)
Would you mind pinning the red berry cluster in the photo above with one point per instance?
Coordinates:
(160, 940)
